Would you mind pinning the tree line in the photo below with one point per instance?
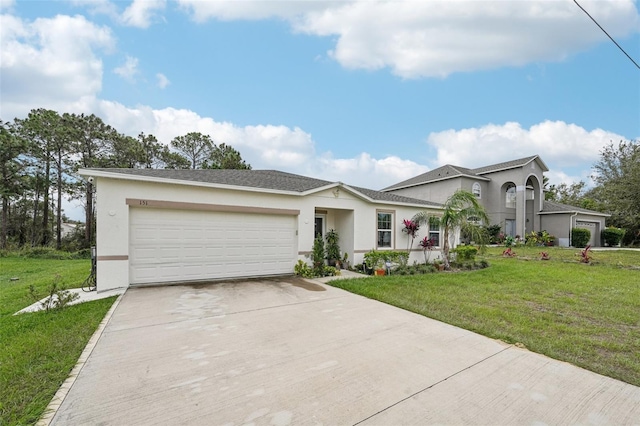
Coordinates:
(616, 191)
(40, 156)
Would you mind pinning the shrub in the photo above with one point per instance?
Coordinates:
(465, 253)
(330, 271)
(580, 237)
(612, 236)
(377, 258)
(495, 234)
(302, 269)
(57, 298)
(541, 238)
(317, 256)
(45, 253)
(414, 269)
(332, 247)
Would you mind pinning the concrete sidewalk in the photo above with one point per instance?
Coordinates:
(279, 352)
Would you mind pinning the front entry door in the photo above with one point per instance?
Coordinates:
(510, 227)
(319, 226)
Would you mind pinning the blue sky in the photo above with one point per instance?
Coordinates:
(365, 92)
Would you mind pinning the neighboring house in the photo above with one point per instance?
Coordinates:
(511, 193)
(67, 229)
(162, 226)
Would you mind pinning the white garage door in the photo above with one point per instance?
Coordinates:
(175, 245)
(591, 226)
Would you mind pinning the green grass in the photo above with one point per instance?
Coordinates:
(40, 349)
(588, 315)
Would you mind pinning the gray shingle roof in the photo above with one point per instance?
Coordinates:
(264, 179)
(505, 165)
(448, 171)
(393, 198)
(445, 172)
(552, 207)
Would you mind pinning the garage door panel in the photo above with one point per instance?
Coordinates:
(173, 245)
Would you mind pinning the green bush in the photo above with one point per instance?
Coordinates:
(45, 253)
(612, 236)
(580, 237)
(415, 269)
(330, 271)
(317, 256)
(302, 269)
(495, 234)
(377, 258)
(465, 253)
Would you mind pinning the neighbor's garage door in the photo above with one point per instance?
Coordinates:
(175, 245)
(592, 227)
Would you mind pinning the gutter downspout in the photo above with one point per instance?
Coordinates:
(571, 227)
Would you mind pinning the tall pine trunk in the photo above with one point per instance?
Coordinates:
(45, 213)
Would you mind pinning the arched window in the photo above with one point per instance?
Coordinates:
(476, 190)
(510, 199)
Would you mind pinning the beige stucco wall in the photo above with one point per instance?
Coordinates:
(353, 217)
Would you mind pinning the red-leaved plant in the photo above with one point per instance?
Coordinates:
(411, 229)
(427, 245)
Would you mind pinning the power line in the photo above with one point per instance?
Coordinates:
(604, 31)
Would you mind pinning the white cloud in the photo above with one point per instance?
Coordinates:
(49, 62)
(263, 146)
(163, 81)
(7, 4)
(561, 146)
(129, 69)
(251, 9)
(141, 13)
(98, 7)
(436, 38)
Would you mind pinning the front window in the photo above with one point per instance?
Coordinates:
(476, 190)
(510, 200)
(434, 231)
(385, 232)
(474, 220)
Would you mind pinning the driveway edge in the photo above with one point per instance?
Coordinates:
(61, 394)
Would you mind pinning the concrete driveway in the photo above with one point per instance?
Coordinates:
(279, 352)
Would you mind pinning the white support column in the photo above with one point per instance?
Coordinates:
(521, 210)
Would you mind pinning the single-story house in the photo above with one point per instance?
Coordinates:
(164, 226)
(512, 194)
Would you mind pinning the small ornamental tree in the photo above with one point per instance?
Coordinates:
(411, 229)
(427, 245)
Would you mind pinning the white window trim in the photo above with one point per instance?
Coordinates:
(510, 203)
(477, 186)
(390, 230)
(439, 232)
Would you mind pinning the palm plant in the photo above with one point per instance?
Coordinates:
(458, 210)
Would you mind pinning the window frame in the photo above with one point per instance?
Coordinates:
(510, 197)
(476, 189)
(389, 230)
(437, 232)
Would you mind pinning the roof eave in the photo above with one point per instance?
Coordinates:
(436, 180)
(578, 212)
(154, 179)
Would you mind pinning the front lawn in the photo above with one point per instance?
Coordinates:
(40, 349)
(588, 315)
